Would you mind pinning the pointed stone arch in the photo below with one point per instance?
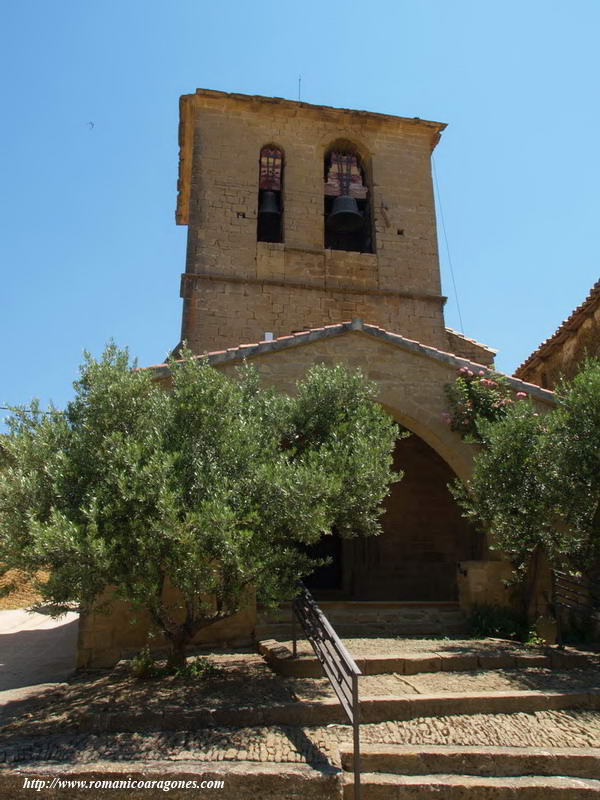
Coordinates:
(458, 456)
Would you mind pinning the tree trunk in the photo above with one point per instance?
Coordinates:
(530, 600)
(180, 636)
(176, 658)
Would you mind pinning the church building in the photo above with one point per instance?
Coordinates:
(312, 239)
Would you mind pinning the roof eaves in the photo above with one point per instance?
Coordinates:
(282, 101)
(243, 351)
(571, 324)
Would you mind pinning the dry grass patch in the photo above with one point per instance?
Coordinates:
(25, 594)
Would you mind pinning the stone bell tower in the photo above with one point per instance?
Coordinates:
(301, 216)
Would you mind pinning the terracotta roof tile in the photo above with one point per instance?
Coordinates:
(357, 325)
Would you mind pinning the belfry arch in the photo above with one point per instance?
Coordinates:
(348, 223)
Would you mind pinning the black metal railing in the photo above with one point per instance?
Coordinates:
(578, 595)
(337, 663)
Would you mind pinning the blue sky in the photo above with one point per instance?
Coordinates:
(89, 247)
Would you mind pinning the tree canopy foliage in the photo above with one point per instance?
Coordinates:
(209, 488)
(536, 481)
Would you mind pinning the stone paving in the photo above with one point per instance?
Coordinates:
(386, 646)
(311, 689)
(576, 728)
(275, 745)
(314, 745)
(539, 679)
(46, 728)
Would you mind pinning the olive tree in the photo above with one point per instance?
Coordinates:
(536, 480)
(205, 490)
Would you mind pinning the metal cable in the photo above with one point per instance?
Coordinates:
(439, 198)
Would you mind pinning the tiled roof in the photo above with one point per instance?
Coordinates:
(568, 327)
(357, 325)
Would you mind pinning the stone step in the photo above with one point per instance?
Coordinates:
(352, 607)
(479, 691)
(327, 710)
(319, 746)
(284, 631)
(481, 761)
(383, 786)
(348, 618)
(382, 708)
(372, 613)
(279, 657)
(226, 780)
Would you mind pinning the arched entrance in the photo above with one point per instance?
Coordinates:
(424, 537)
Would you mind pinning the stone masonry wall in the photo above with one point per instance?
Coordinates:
(469, 348)
(106, 638)
(221, 313)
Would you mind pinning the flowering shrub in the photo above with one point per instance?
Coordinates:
(476, 398)
(536, 482)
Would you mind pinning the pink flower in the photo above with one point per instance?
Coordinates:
(481, 372)
(521, 394)
(536, 415)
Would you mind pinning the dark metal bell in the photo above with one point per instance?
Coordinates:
(345, 216)
(269, 205)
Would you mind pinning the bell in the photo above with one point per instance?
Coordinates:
(345, 216)
(269, 205)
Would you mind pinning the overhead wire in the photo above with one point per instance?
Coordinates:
(28, 410)
(439, 202)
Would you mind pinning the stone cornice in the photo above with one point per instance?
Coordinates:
(323, 287)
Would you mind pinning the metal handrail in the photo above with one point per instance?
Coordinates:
(577, 594)
(337, 663)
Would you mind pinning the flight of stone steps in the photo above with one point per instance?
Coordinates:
(450, 718)
(458, 719)
(398, 772)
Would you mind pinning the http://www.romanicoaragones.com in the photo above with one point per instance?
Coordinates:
(161, 785)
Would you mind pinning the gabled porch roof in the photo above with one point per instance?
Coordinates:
(248, 350)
